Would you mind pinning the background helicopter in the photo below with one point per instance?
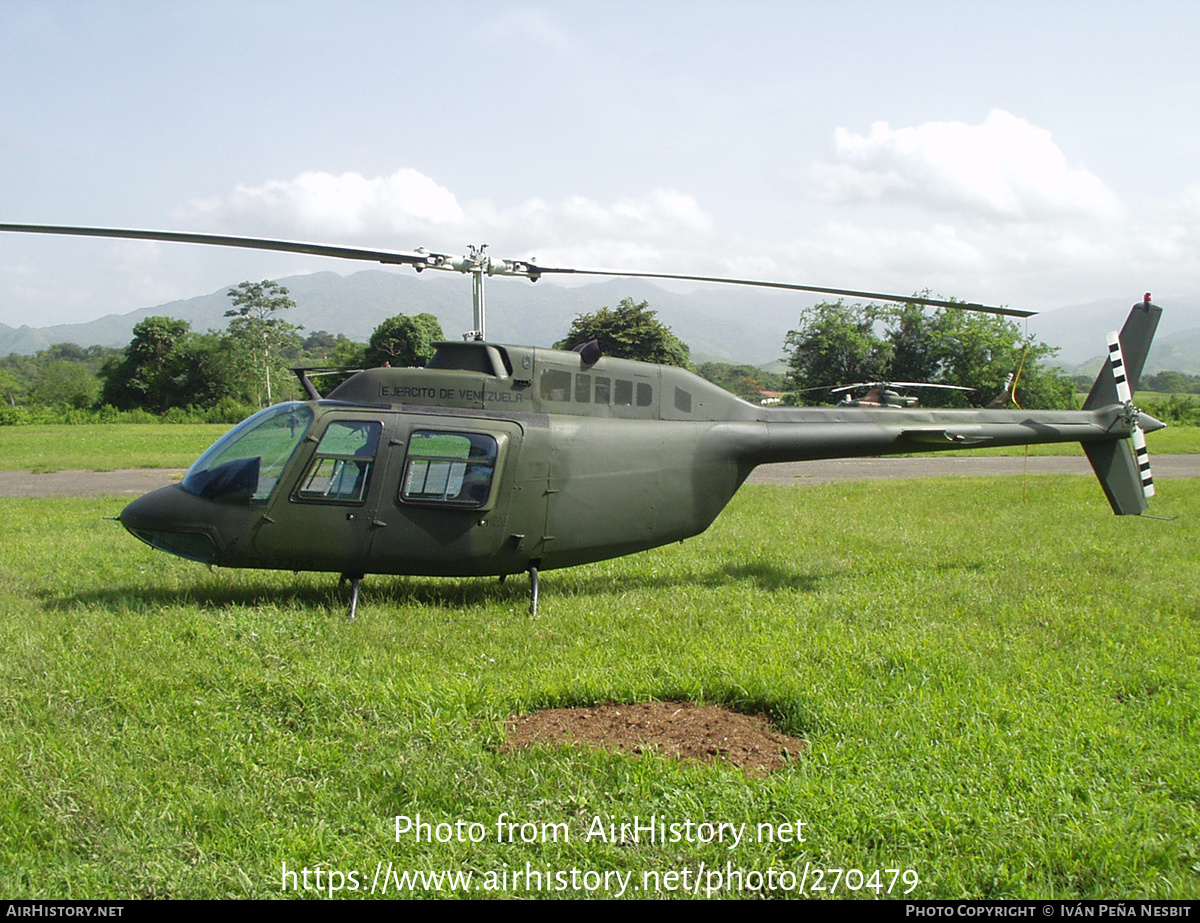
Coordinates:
(496, 459)
(883, 393)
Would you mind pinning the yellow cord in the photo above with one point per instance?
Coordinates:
(1013, 396)
(1017, 380)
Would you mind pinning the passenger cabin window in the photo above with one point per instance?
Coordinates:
(556, 385)
(449, 469)
(683, 400)
(341, 466)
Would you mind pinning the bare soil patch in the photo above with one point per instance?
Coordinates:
(680, 730)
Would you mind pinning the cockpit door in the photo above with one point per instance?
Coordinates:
(323, 517)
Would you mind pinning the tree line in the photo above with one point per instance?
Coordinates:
(170, 370)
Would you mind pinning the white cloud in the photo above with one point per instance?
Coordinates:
(991, 212)
(407, 209)
(1003, 169)
(347, 205)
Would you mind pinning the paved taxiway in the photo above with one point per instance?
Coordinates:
(137, 481)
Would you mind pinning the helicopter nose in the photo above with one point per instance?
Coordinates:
(172, 520)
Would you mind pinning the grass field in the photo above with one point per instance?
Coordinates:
(105, 447)
(1000, 697)
(108, 447)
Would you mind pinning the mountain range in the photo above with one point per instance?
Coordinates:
(719, 323)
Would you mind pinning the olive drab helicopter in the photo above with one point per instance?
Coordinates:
(497, 459)
(883, 393)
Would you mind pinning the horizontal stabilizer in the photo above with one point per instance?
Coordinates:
(961, 436)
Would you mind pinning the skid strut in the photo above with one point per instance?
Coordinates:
(355, 582)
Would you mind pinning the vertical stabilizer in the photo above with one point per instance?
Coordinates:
(1125, 479)
(1136, 337)
(1114, 466)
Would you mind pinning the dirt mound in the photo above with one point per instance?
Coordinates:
(676, 729)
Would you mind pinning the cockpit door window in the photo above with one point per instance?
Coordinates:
(340, 469)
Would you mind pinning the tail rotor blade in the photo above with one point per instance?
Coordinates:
(1117, 360)
(1143, 462)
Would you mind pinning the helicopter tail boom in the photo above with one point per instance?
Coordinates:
(1105, 427)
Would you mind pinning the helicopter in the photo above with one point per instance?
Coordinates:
(883, 393)
(498, 459)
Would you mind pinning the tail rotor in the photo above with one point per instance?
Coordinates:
(1116, 360)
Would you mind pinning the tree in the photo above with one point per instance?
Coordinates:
(1171, 383)
(10, 387)
(256, 329)
(60, 374)
(838, 344)
(167, 365)
(913, 335)
(347, 353)
(215, 376)
(62, 382)
(746, 381)
(630, 331)
(153, 371)
(979, 351)
(403, 341)
(320, 342)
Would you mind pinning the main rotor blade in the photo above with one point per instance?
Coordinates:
(222, 240)
(442, 261)
(928, 384)
(885, 385)
(851, 293)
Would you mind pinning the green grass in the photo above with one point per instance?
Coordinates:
(100, 447)
(105, 447)
(998, 679)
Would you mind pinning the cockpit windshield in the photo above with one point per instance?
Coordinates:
(245, 464)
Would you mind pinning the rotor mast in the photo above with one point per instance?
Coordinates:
(479, 265)
(478, 306)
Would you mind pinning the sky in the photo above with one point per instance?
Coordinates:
(1029, 154)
